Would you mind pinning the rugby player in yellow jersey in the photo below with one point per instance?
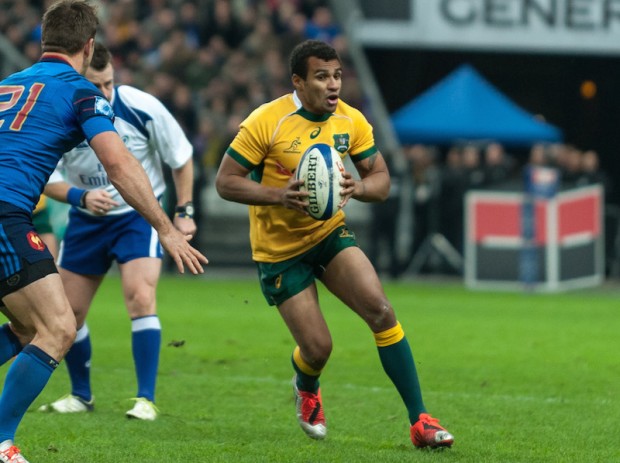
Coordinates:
(293, 250)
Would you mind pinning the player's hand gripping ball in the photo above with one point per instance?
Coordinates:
(321, 169)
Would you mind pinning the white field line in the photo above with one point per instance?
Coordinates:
(454, 395)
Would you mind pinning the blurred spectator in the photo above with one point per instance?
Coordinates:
(426, 190)
(159, 23)
(321, 26)
(382, 247)
(183, 109)
(538, 155)
(569, 163)
(592, 174)
(209, 144)
(294, 31)
(262, 39)
(202, 69)
(175, 54)
(20, 22)
(498, 165)
(222, 22)
(121, 28)
(189, 22)
(472, 166)
(453, 186)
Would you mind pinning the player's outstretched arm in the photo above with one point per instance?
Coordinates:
(129, 178)
(233, 184)
(98, 201)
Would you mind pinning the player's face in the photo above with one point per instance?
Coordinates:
(103, 80)
(320, 90)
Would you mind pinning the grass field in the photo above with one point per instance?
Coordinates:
(515, 377)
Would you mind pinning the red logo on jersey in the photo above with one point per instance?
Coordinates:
(35, 241)
(283, 170)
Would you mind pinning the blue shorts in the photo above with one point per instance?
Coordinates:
(24, 258)
(91, 244)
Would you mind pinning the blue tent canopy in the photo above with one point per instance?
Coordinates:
(464, 106)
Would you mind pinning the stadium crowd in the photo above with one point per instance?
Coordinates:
(209, 61)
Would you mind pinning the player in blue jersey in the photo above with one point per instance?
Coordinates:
(46, 110)
(103, 228)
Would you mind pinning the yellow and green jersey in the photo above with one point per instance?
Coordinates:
(270, 143)
(41, 205)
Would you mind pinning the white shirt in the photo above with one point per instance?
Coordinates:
(150, 133)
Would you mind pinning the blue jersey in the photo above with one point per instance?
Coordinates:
(45, 110)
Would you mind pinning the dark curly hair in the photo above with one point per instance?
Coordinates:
(300, 54)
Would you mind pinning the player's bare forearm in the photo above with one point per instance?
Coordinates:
(129, 178)
(133, 185)
(374, 183)
(245, 191)
(57, 191)
(233, 184)
(183, 179)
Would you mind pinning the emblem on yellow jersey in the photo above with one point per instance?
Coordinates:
(341, 142)
(345, 233)
(294, 148)
(315, 133)
(278, 281)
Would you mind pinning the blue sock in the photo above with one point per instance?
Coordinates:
(78, 364)
(9, 344)
(26, 378)
(145, 344)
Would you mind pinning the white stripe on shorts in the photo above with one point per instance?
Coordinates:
(153, 245)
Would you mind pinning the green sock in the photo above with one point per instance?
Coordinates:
(397, 361)
(304, 381)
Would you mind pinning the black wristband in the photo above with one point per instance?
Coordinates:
(83, 199)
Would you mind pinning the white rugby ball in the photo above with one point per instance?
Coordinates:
(321, 169)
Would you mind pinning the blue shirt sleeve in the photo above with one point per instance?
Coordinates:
(94, 113)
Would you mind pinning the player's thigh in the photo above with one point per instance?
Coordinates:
(352, 278)
(304, 319)
(81, 290)
(139, 279)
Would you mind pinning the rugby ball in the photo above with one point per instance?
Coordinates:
(321, 169)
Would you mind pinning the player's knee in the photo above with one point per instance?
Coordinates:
(64, 332)
(66, 336)
(318, 353)
(141, 303)
(381, 316)
(57, 337)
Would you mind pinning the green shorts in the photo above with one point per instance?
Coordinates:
(42, 222)
(281, 280)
